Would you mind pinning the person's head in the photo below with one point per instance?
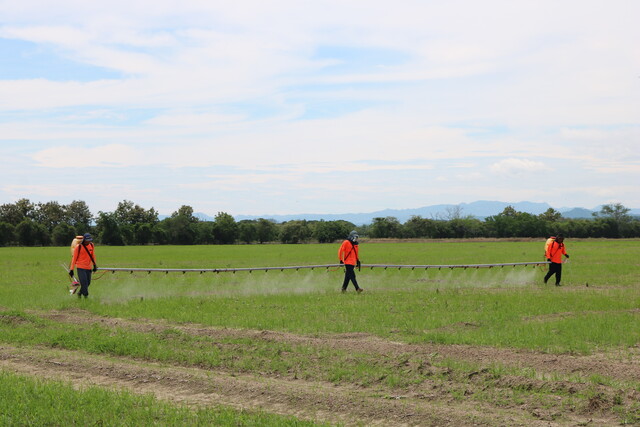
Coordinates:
(559, 238)
(353, 237)
(87, 239)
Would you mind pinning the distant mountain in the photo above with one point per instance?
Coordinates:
(576, 213)
(201, 216)
(480, 209)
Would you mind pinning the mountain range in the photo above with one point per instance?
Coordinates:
(479, 209)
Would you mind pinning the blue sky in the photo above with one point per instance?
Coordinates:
(289, 107)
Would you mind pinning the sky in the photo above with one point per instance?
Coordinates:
(346, 106)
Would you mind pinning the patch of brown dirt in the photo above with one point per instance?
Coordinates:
(447, 401)
(303, 399)
(622, 365)
(12, 319)
(553, 316)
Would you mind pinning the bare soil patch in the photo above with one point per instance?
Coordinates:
(448, 402)
(304, 399)
(623, 365)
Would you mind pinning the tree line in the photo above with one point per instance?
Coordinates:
(45, 224)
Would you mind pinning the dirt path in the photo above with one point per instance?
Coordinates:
(429, 403)
(621, 366)
(303, 399)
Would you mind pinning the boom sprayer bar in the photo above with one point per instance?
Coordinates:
(311, 267)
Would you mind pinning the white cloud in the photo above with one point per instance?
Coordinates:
(514, 166)
(114, 155)
(239, 91)
(183, 120)
(65, 193)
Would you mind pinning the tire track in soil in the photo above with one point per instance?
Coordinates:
(198, 387)
(348, 404)
(622, 365)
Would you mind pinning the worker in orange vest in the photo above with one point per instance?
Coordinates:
(85, 260)
(553, 252)
(348, 255)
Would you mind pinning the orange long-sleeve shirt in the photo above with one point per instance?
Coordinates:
(348, 253)
(81, 258)
(555, 251)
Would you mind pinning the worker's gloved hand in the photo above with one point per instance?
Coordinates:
(71, 273)
(549, 259)
(95, 267)
(358, 264)
(567, 256)
(341, 262)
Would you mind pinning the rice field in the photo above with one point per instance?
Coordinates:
(464, 346)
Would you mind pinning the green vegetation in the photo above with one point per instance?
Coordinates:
(596, 310)
(28, 401)
(501, 304)
(27, 224)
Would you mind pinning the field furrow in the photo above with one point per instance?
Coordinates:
(438, 385)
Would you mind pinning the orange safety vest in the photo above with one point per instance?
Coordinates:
(555, 251)
(83, 258)
(348, 253)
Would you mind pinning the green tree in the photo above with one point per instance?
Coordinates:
(49, 214)
(267, 230)
(186, 212)
(465, 227)
(204, 232)
(617, 212)
(30, 233)
(614, 220)
(418, 227)
(226, 228)
(78, 215)
(181, 227)
(247, 231)
(143, 233)
(62, 234)
(550, 215)
(330, 231)
(504, 224)
(15, 213)
(160, 235)
(7, 234)
(127, 233)
(295, 232)
(388, 227)
(108, 229)
(129, 213)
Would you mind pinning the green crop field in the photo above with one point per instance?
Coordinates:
(486, 346)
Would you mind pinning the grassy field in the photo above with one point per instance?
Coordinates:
(411, 331)
(29, 401)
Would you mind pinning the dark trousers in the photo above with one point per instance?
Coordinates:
(349, 275)
(554, 268)
(84, 276)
